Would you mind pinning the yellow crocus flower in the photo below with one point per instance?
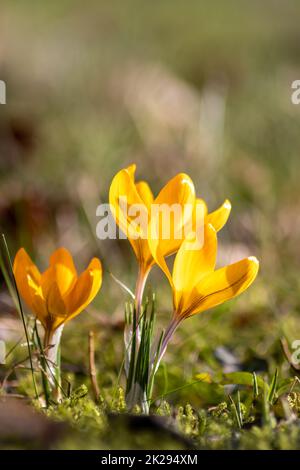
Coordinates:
(197, 286)
(178, 191)
(58, 294)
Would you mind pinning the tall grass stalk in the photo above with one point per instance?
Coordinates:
(19, 306)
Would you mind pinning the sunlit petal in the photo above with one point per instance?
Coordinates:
(174, 208)
(55, 304)
(85, 289)
(27, 276)
(65, 272)
(176, 201)
(48, 278)
(219, 217)
(202, 204)
(127, 206)
(131, 170)
(145, 193)
(222, 285)
(142, 252)
(194, 260)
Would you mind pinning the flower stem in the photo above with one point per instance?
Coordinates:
(51, 346)
(139, 289)
(168, 335)
(138, 396)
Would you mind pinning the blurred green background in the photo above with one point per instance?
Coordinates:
(200, 87)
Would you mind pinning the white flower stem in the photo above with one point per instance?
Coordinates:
(51, 345)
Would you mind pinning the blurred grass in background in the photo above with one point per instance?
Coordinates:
(200, 87)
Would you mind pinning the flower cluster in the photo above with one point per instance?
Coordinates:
(59, 294)
(196, 283)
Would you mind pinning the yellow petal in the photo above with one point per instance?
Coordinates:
(142, 252)
(193, 262)
(126, 205)
(202, 204)
(64, 270)
(198, 218)
(222, 285)
(28, 279)
(123, 189)
(47, 280)
(85, 289)
(140, 245)
(131, 170)
(55, 304)
(178, 192)
(145, 193)
(39, 307)
(24, 267)
(194, 228)
(166, 228)
(219, 217)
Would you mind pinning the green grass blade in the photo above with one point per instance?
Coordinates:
(273, 388)
(239, 408)
(255, 386)
(235, 412)
(21, 313)
(45, 383)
